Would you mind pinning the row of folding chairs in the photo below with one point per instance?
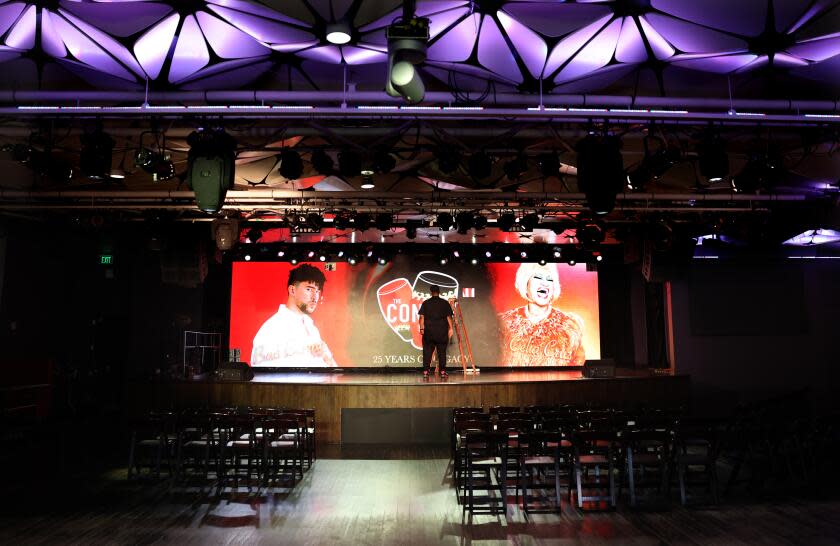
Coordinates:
(227, 445)
(588, 452)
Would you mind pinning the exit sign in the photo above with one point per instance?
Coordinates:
(106, 259)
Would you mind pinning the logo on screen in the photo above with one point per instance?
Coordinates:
(400, 300)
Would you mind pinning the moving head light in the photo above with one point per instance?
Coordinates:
(407, 42)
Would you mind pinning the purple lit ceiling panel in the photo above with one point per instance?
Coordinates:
(787, 12)
(7, 54)
(493, 52)
(106, 44)
(599, 79)
(785, 60)
(816, 50)
(87, 51)
(660, 46)
(120, 19)
(443, 20)
(228, 42)
(745, 17)
(466, 76)
(227, 75)
(630, 47)
(22, 35)
(325, 54)
(151, 49)
(554, 19)
(285, 37)
(457, 44)
(361, 55)
(371, 11)
(691, 38)
(820, 20)
(289, 11)
(9, 14)
(529, 45)
(570, 45)
(594, 55)
(721, 64)
(50, 39)
(191, 54)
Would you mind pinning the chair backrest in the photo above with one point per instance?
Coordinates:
(514, 425)
(497, 410)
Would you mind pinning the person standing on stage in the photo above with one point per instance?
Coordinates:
(436, 329)
(290, 338)
(538, 334)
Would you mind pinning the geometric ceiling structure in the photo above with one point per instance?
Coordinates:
(529, 46)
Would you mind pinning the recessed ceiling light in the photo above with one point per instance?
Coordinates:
(338, 33)
(368, 186)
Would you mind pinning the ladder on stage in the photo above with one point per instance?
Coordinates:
(464, 347)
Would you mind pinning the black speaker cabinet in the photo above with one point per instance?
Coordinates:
(599, 368)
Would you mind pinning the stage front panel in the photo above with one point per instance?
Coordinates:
(335, 314)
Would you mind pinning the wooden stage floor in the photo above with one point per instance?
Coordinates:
(416, 377)
(331, 393)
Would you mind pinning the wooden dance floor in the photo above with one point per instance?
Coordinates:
(331, 394)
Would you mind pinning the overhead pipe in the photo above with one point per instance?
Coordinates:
(438, 97)
(252, 195)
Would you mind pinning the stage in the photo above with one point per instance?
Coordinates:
(339, 397)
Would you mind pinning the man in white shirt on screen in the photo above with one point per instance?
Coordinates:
(290, 339)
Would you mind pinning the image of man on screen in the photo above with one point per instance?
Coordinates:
(436, 328)
(290, 338)
(538, 334)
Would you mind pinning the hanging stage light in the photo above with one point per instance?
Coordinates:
(291, 165)
(712, 158)
(506, 221)
(465, 221)
(479, 166)
(479, 222)
(411, 228)
(96, 155)
(448, 159)
(211, 164)
(361, 221)
(600, 171)
(407, 41)
(383, 161)
(341, 221)
(530, 221)
(549, 164)
(349, 163)
(225, 232)
(445, 221)
(590, 234)
(384, 221)
(321, 162)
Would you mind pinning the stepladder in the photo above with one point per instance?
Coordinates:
(463, 339)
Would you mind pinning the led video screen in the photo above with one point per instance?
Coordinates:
(303, 315)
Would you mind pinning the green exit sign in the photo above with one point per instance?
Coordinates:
(106, 259)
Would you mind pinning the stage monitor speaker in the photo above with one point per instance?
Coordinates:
(599, 368)
(234, 371)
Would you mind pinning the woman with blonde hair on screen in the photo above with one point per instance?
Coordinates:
(538, 334)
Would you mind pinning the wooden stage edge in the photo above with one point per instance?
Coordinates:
(328, 393)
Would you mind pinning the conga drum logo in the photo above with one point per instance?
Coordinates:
(399, 302)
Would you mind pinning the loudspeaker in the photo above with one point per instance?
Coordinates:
(234, 371)
(599, 368)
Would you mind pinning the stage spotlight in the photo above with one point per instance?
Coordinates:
(352, 259)
(96, 155)
(383, 161)
(763, 171)
(407, 41)
(479, 165)
(411, 228)
(225, 232)
(571, 262)
(590, 234)
(600, 171)
(488, 254)
(712, 158)
(507, 258)
(479, 222)
(322, 257)
(465, 221)
(448, 159)
(549, 164)
(211, 164)
(557, 253)
(530, 221)
(516, 167)
(507, 221)
(341, 221)
(542, 261)
(361, 221)
(247, 257)
(291, 165)
(254, 235)
(384, 221)
(523, 255)
(444, 260)
(349, 164)
(321, 162)
(445, 221)
(314, 221)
